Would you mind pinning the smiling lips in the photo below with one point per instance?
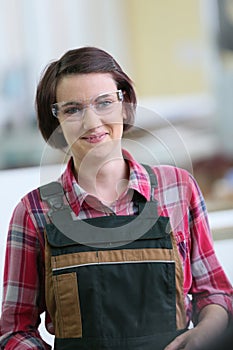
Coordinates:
(95, 138)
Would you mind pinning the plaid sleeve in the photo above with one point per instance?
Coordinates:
(23, 341)
(23, 300)
(210, 284)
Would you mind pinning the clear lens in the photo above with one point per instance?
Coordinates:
(102, 105)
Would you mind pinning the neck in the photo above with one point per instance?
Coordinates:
(106, 181)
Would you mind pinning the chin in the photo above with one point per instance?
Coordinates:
(103, 152)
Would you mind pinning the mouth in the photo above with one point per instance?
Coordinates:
(95, 138)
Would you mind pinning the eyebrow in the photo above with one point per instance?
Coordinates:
(103, 95)
(64, 104)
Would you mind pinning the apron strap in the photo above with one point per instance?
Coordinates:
(53, 192)
(153, 180)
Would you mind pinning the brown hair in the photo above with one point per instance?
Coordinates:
(78, 61)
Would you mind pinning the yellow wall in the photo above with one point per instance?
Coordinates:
(166, 42)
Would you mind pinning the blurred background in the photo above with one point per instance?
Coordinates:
(179, 54)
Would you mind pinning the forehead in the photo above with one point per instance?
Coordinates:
(84, 86)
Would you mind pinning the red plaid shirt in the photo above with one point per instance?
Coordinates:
(178, 197)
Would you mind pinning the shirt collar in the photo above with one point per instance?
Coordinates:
(138, 180)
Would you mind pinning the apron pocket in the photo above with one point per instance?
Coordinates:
(68, 306)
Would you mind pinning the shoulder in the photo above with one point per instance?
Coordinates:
(176, 185)
(32, 200)
(35, 208)
(169, 175)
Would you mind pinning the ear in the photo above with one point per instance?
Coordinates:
(124, 113)
(59, 129)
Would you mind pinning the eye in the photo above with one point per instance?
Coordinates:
(72, 109)
(103, 104)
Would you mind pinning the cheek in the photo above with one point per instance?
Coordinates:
(117, 116)
(115, 119)
(117, 130)
(71, 131)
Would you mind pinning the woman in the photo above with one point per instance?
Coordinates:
(124, 245)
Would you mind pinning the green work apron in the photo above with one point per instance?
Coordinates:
(110, 291)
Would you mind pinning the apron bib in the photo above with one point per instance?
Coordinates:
(121, 292)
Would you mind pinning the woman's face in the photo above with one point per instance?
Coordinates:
(94, 130)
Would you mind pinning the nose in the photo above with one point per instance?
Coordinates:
(90, 119)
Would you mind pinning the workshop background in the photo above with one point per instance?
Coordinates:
(179, 54)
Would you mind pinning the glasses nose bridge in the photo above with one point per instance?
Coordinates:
(90, 103)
